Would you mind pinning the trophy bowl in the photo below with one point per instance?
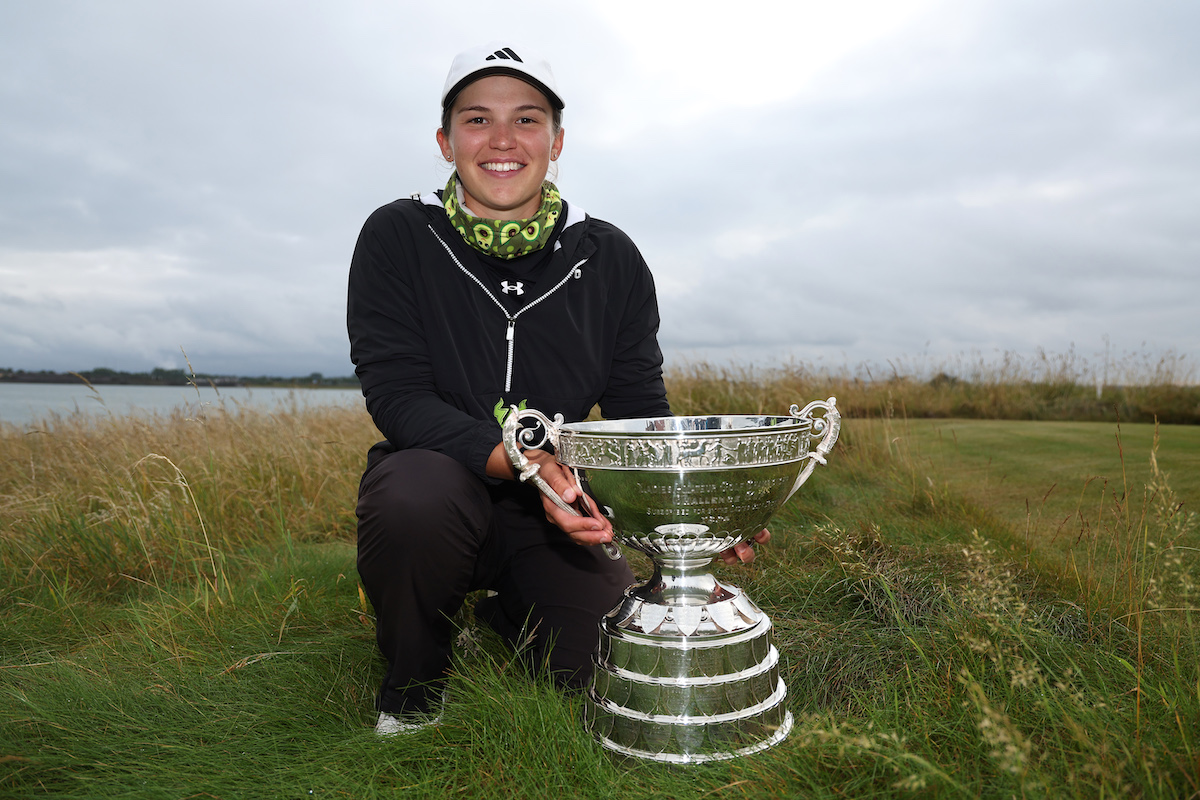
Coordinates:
(686, 670)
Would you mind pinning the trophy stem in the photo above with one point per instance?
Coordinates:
(679, 582)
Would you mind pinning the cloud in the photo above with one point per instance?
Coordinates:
(847, 183)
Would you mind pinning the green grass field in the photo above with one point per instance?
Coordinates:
(1047, 479)
(180, 617)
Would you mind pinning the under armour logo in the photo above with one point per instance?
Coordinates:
(517, 287)
(507, 54)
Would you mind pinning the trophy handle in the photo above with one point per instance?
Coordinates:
(517, 440)
(830, 423)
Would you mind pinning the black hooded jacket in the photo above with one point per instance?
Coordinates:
(442, 343)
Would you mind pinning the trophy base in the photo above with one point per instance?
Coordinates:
(686, 672)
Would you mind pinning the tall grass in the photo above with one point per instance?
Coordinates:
(179, 616)
(934, 652)
(106, 504)
(1134, 388)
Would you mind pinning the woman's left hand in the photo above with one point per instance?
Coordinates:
(744, 551)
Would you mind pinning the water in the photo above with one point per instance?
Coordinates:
(23, 404)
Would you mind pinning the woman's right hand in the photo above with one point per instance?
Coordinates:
(586, 529)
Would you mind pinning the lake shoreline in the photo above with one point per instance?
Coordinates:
(24, 404)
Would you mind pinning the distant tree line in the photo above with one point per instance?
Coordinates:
(103, 376)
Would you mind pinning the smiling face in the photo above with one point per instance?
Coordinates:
(502, 140)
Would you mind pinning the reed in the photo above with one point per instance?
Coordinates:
(1134, 388)
(105, 504)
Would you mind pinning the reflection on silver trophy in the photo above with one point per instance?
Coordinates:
(686, 670)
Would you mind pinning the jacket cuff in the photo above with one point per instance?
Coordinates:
(480, 454)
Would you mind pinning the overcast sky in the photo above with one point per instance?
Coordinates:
(831, 182)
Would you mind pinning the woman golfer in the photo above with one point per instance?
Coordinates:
(492, 292)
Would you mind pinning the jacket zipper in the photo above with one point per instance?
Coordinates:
(510, 331)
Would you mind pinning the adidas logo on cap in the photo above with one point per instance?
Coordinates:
(506, 53)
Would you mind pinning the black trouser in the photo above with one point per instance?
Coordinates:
(429, 532)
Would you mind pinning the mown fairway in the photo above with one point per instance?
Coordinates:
(1045, 477)
(180, 617)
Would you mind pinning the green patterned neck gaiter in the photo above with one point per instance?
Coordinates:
(504, 238)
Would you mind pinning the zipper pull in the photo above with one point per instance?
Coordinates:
(509, 333)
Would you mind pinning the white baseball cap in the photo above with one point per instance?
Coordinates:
(498, 59)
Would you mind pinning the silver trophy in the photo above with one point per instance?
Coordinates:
(686, 670)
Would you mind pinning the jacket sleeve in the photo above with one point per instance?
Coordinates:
(388, 348)
(635, 384)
